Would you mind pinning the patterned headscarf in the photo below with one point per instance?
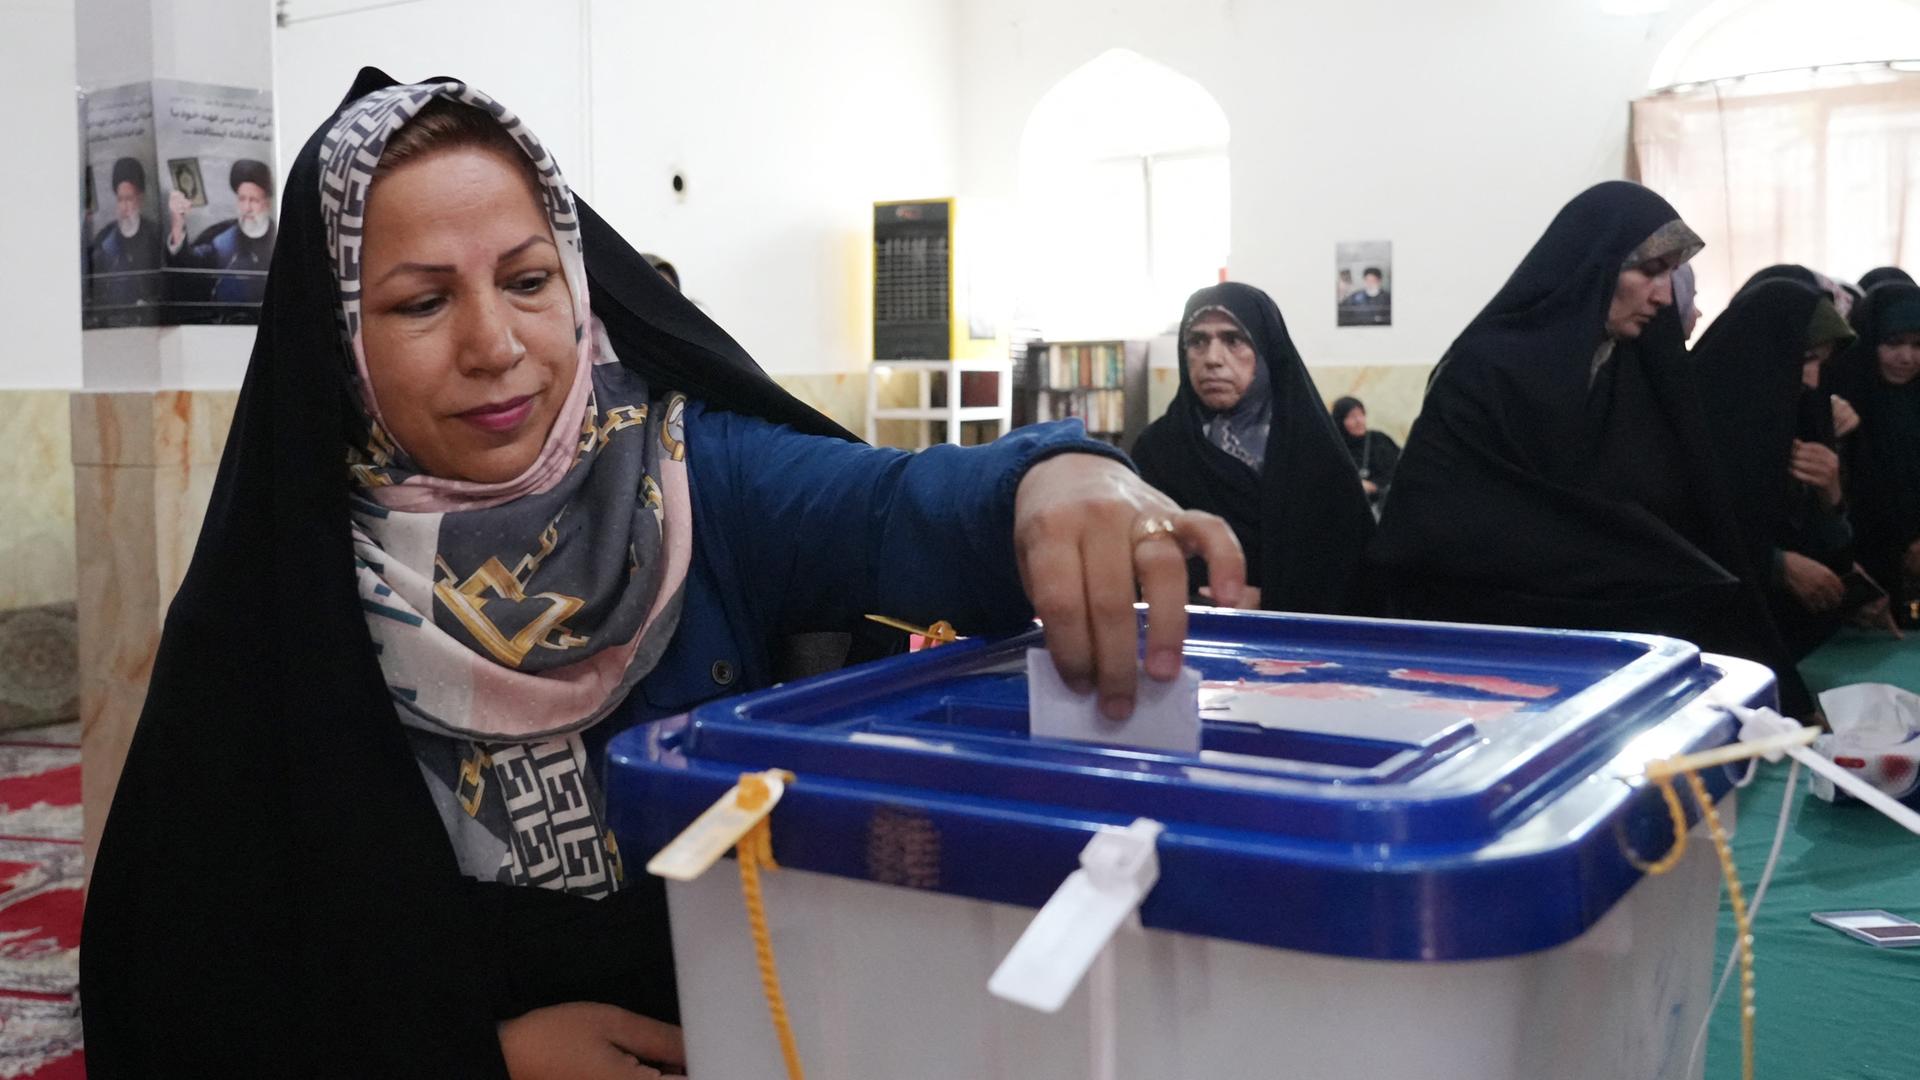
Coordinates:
(511, 616)
(1686, 289)
(1241, 430)
(1676, 242)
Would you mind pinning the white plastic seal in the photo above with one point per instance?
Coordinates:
(1118, 868)
(1758, 724)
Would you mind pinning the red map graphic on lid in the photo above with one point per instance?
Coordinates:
(1328, 691)
(1472, 710)
(1488, 684)
(1283, 668)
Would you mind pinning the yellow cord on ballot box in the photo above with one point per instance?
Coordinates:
(1688, 766)
(755, 852)
(1663, 779)
(740, 820)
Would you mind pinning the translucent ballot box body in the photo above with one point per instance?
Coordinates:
(1403, 850)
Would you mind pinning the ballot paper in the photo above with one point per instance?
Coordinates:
(1876, 736)
(1166, 715)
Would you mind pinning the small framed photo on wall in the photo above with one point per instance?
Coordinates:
(1363, 283)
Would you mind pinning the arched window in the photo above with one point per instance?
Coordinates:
(1123, 204)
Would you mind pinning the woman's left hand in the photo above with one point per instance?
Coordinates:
(1091, 537)
(1876, 614)
(1845, 420)
(1818, 467)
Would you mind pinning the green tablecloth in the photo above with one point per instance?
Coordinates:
(1830, 1007)
(1857, 656)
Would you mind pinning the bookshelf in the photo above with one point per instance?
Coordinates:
(1104, 383)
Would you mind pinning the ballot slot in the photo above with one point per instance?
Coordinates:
(1431, 739)
(989, 714)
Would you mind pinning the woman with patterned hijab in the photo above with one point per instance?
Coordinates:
(495, 491)
(1248, 439)
(1686, 304)
(1560, 473)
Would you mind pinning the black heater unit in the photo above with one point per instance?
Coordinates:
(927, 304)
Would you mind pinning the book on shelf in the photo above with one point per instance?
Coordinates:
(1104, 411)
(1103, 383)
(1083, 365)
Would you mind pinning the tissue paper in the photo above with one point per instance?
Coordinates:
(1876, 736)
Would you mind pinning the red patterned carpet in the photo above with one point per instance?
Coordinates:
(40, 899)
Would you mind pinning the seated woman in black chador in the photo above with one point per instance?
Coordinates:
(1881, 274)
(1880, 375)
(1842, 296)
(495, 491)
(1247, 438)
(1374, 452)
(1759, 368)
(1560, 472)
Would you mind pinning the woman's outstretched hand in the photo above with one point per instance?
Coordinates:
(1817, 588)
(586, 1040)
(1091, 538)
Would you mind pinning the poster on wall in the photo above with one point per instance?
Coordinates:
(216, 146)
(122, 251)
(186, 169)
(1363, 283)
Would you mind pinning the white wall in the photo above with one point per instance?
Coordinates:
(40, 215)
(529, 56)
(1455, 130)
(1742, 37)
(787, 120)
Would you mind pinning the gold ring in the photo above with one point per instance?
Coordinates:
(1148, 528)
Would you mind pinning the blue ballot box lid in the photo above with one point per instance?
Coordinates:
(1365, 787)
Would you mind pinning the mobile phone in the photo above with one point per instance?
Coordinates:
(1881, 928)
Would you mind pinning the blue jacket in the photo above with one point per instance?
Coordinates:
(795, 532)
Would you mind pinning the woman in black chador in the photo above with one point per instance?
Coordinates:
(1248, 438)
(1560, 473)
